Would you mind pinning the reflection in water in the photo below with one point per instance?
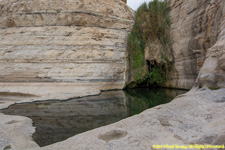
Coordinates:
(58, 120)
(144, 98)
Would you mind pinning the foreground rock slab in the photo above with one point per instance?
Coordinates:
(15, 132)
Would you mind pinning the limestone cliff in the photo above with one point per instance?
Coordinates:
(64, 41)
(198, 30)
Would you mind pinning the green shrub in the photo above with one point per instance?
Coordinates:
(157, 22)
(214, 88)
(136, 43)
(151, 22)
(155, 76)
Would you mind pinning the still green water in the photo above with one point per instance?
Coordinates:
(56, 121)
(144, 98)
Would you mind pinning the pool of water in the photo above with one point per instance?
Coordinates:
(58, 120)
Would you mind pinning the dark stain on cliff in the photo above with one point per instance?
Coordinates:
(10, 23)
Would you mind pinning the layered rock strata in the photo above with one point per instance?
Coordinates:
(64, 41)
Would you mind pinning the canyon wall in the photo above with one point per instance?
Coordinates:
(198, 34)
(64, 41)
(85, 42)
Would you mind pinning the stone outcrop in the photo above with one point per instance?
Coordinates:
(197, 30)
(212, 73)
(78, 41)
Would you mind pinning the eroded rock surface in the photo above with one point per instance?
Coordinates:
(64, 41)
(212, 73)
(15, 133)
(197, 32)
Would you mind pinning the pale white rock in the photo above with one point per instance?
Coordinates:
(69, 41)
(15, 133)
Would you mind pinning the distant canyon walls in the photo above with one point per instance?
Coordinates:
(198, 32)
(64, 41)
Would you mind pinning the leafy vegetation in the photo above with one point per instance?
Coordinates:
(136, 44)
(214, 88)
(155, 76)
(151, 22)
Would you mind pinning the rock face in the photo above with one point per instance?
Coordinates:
(154, 53)
(198, 32)
(212, 73)
(64, 41)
